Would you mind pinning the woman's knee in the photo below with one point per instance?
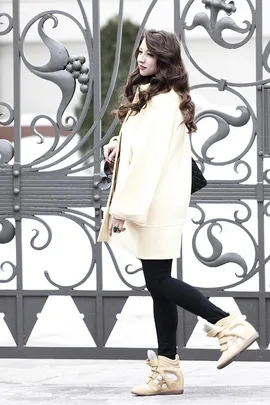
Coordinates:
(154, 289)
(154, 283)
(150, 282)
(155, 272)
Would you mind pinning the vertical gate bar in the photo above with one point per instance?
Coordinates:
(17, 81)
(177, 17)
(265, 143)
(97, 137)
(264, 140)
(17, 161)
(179, 262)
(260, 204)
(266, 114)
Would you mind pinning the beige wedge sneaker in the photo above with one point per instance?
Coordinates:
(165, 378)
(235, 335)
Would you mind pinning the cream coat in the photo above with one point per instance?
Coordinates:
(151, 181)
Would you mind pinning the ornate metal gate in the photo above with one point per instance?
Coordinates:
(32, 191)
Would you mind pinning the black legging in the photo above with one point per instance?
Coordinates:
(167, 292)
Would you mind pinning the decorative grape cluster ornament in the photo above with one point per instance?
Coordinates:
(78, 71)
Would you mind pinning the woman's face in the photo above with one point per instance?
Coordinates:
(146, 61)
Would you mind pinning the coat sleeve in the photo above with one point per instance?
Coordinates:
(133, 197)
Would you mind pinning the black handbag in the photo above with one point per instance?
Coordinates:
(198, 179)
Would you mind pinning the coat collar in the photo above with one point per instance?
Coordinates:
(144, 87)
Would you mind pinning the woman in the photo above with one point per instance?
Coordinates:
(148, 204)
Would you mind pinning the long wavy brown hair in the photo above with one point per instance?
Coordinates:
(170, 74)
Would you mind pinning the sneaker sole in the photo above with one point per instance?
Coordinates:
(175, 392)
(248, 343)
(178, 392)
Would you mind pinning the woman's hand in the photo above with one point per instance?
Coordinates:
(109, 151)
(116, 222)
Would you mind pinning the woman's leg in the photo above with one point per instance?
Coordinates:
(166, 320)
(167, 292)
(234, 333)
(159, 281)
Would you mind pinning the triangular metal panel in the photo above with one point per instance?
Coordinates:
(250, 308)
(267, 321)
(111, 307)
(88, 307)
(31, 307)
(8, 307)
(190, 321)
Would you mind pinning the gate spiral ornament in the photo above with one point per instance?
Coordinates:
(7, 233)
(9, 27)
(57, 70)
(224, 121)
(6, 121)
(217, 259)
(215, 27)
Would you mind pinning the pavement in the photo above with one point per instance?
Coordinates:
(108, 382)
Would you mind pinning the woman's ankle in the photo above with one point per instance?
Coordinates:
(168, 355)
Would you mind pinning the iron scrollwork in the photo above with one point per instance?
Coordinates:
(224, 121)
(62, 69)
(7, 233)
(9, 26)
(6, 151)
(10, 119)
(83, 221)
(63, 190)
(127, 271)
(215, 27)
(13, 273)
(218, 258)
(266, 55)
